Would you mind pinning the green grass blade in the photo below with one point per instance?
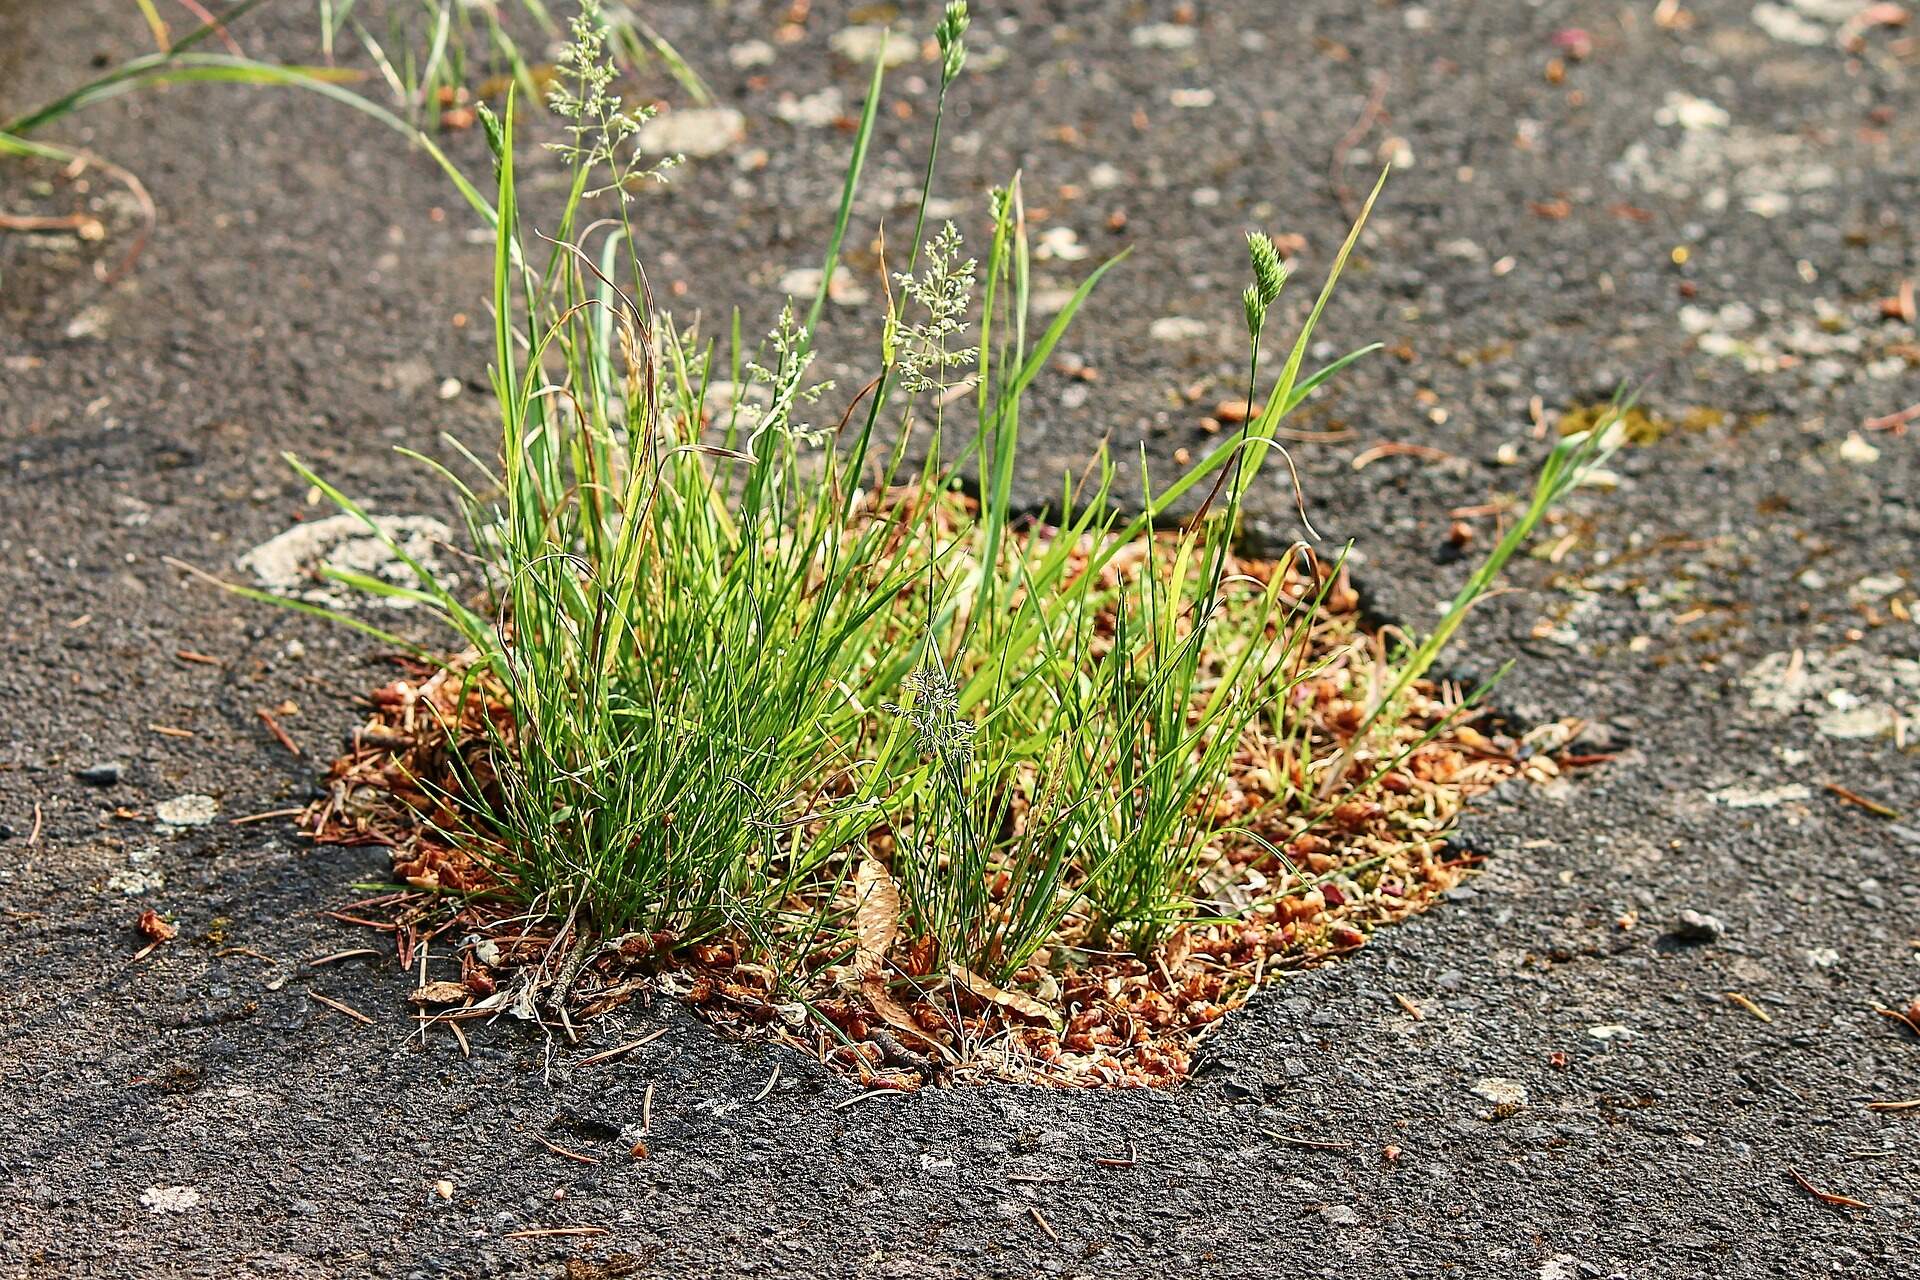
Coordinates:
(862, 139)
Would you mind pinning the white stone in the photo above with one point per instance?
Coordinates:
(1179, 329)
(692, 131)
(804, 282)
(288, 563)
(137, 878)
(1689, 112)
(170, 1199)
(1857, 450)
(1059, 244)
(816, 110)
(1740, 797)
(1501, 1091)
(191, 810)
(89, 323)
(1163, 35)
(1788, 27)
(751, 53)
(871, 43)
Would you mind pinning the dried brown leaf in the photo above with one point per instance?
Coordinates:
(440, 993)
(875, 987)
(876, 917)
(1021, 1003)
(155, 928)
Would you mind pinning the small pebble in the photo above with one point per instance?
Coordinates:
(1501, 1091)
(692, 131)
(1163, 35)
(871, 42)
(1241, 1090)
(170, 1199)
(1697, 926)
(105, 774)
(187, 811)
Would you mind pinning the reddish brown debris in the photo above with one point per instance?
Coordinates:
(155, 928)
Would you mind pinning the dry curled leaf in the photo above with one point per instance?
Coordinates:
(440, 993)
(1024, 1005)
(876, 923)
(874, 986)
(876, 917)
(154, 928)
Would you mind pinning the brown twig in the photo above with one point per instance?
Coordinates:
(1043, 1224)
(1905, 1104)
(78, 222)
(1115, 1162)
(1395, 449)
(273, 727)
(1904, 1019)
(1311, 1144)
(1894, 422)
(607, 1055)
(578, 1157)
(1480, 509)
(1871, 806)
(342, 955)
(268, 816)
(344, 918)
(1828, 1197)
(149, 212)
(347, 1009)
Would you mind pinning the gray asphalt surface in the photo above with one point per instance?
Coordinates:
(1713, 211)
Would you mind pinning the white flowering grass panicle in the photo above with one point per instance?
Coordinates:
(925, 350)
(601, 128)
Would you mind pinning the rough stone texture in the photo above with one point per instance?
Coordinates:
(295, 263)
